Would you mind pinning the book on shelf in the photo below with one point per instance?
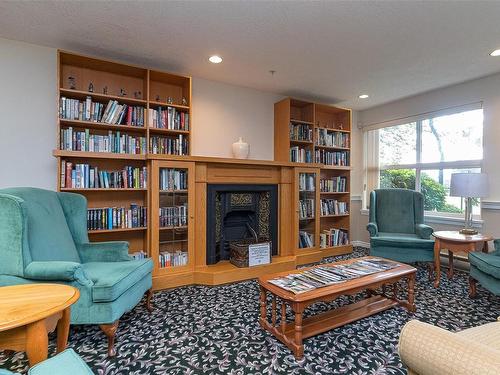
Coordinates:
(173, 216)
(173, 179)
(112, 113)
(333, 237)
(300, 155)
(86, 176)
(307, 182)
(306, 209)
(333, 207)
(113, 142)
(331, 138)
(108, 218)
(140, 254)
(173, 259)
(169, 145)
(336, 184)
(337, 158)
(168, 118)
(300, 132)
(306, 239)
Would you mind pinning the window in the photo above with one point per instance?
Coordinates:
(422, 155)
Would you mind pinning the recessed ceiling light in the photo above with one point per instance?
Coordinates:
(363, 96)
(215, 59)
(495, 53)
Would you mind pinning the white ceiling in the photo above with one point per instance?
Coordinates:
(330, 51)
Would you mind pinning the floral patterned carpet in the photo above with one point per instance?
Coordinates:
(215, 330)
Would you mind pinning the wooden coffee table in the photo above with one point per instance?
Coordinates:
(29, 311)
(291, 334)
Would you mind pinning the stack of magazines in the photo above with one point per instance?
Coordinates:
(321, 276)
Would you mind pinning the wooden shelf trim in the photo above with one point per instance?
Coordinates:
(120, 99)
(117, 230)
(334, 192)
(101, 125)
(183, 227)
(168, 131)
(97, 155)
(103, 189)
(340, 215)
(154, 103)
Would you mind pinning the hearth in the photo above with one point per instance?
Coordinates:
(240, 212)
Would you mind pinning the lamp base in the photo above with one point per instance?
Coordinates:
(468, 231)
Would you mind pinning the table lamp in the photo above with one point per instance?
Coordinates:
(468, 186)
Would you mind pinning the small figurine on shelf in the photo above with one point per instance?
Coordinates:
(122, 92)
(184, 101)
(157, 98)
(72, 82)
(170, 100)
(341, 127)
(91, 87)
(105, 90)
(137, 94)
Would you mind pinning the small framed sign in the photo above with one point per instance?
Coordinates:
(259, 253)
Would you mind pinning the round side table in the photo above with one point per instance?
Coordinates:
(454, 241)
(29, 312)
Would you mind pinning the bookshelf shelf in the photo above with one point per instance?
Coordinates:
(295, 141)
(333, 192)
(332, 148)
(302, 122)
(167, 131)
(98, 155)
(339, 215)
(101, 126)
(117, 230)
(183, 191)
(154, 104)
(78, 94)
(101, 189)
(184, 227)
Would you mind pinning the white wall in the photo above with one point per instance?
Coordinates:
(28, 110)
(28, 113)
(485, 89)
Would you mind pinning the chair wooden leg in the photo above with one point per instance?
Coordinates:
(472, 287)
(149, 297)
(110, 332)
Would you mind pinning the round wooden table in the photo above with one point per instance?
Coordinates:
(454, 241)
(29, 312)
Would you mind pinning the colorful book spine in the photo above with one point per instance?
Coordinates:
(169, 145)
(109, 218)
(113, 142)
(168, 118)
(173, 216)
(173, 179)
(173, 259)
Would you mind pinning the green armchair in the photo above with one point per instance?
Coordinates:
(43, 238)
(485, 269)
(396, 226)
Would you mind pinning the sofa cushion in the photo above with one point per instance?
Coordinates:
(49, 237)
(66, 362)
(113, 279)
(401, 240)
(487, 334)
(488, 263)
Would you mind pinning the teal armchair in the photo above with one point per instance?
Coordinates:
(43, 238)
(396, 226)
(485, 269)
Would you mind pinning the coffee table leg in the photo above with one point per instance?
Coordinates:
(299, 346)
(63, 330)
(37, 342)
(263, 313)
(437, 262)
(450, 263)
(411, 293)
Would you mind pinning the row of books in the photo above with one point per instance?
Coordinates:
(300, 132)
(173, 259)
(306, 239)
(336, 184)
(173, 179)
(331, 138)
(139, 255)
(168, 118)
(174, 216)
(85, 176)
(113, 113)
(321, 276)
(307, 182)
(333, 207)
(115, 142)
(116, 217)
(169, 145)
(333, 237)
(306, 209)
(338, 158)
(300, 155)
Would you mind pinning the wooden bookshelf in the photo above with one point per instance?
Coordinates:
(128, 85)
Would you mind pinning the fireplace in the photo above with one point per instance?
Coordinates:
(240, 212)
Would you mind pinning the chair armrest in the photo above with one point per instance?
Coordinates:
(57, 271)
(111, 251)
(429, 350)
(372, 229)
(423, 231)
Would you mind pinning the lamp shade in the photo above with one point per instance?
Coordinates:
(469, 185)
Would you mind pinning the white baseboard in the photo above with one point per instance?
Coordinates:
(361, 244)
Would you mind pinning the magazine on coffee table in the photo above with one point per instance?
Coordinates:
(324, 275)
